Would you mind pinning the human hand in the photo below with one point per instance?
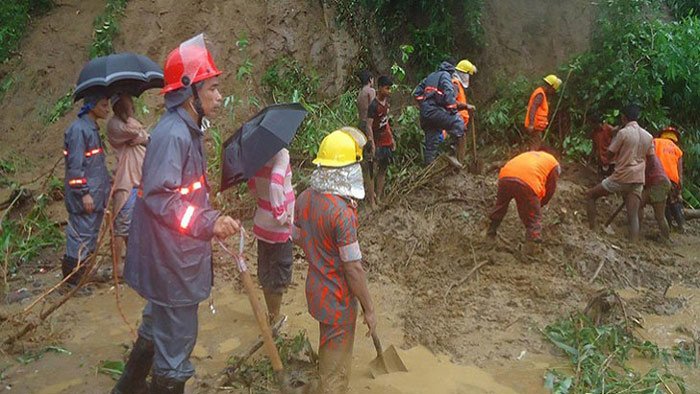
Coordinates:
(226, 226)
(471, 108)
(370, 319)
(88, 204)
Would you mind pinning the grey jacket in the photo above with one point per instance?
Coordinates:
(168, 259)
(86, 171)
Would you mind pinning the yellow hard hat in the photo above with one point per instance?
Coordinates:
(553, 80)
(466, 66)
(338, 149)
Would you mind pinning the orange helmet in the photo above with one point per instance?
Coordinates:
(670, 133)
(188, 64)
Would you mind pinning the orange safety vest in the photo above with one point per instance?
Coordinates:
(461, 98)
(669, 154)
(533, 168)
(542, 113)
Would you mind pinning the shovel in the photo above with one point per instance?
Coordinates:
(386, 361)
(476, 165)
(258, 311)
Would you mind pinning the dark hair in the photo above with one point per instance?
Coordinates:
(120, 109)
(451, 60)
(595, 117)
(384, 80)
(631, 112)
(365, 76)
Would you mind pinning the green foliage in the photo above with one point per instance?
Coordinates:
(111, 368)
(106, 28)
(286, 79)
(214, 162)
(259, 377)
(62, 106)
(244, 69)
(599, 357)
(30, 357)
(504, 117)
(23, 238)
(577, 146)
(6, 84)
(435, 28)
(15, 16)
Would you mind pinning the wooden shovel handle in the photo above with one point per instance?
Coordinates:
(377, 345)
(261, 317)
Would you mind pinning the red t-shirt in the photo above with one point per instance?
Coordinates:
(378, 113)
(602, 138)
(654, 174)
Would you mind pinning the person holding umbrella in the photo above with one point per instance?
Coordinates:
(272, 187)
(128, 138)
(169, 259)
(325, 226)
(87, 184)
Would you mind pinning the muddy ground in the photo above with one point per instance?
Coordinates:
(481, 336)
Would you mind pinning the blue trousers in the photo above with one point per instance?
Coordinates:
(81, 234)
(173, 331)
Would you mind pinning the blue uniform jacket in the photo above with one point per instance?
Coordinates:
(168, 259)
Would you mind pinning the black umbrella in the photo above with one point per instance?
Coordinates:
(258, 140)
(119, 73)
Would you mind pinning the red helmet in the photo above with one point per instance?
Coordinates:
(192, 61)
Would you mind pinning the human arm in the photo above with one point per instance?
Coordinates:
(533, 110)
(551, 185)
(371, 112)
(680, 172)
(278, 199)
(448, 90)
(74, 151)
(357, 281)
(162, 190)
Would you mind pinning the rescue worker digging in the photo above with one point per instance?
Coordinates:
(325, 226)
(87, 184)
(531, 179)
(537, 116)
(438, 111)
(169, 260)
(460, 80)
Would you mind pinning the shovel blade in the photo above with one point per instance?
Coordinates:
(388, 362)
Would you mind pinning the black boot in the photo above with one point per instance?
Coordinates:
(162, 385)
(68, 265)
(677, 211)
(133, 379)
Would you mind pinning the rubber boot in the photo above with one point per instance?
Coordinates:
(677, 212)
(162, 385)
(133, 379)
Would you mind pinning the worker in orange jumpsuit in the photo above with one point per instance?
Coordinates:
(531, 179)
(537, 116)
(671, 157)
(460, 80)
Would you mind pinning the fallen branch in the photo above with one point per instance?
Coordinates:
(461, 281)
(597, 271)
(115, 274)
(691, 214)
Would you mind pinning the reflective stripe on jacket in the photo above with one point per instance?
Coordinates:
(168, 258)
(86, 171)
(436, 89)
(542, 112)
(669, 154)
(533, 168)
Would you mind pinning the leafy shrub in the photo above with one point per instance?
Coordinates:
(14, 21)
(286, 79)
(106, 28)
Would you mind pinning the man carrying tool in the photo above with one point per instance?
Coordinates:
(438, 111)
(671, 157)
(537, 116)
(169, 260)
(531, 179)
(87, 184)
(378, 129)
(601, 135)
(630, 148)
(325, 226)
(272, 187)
